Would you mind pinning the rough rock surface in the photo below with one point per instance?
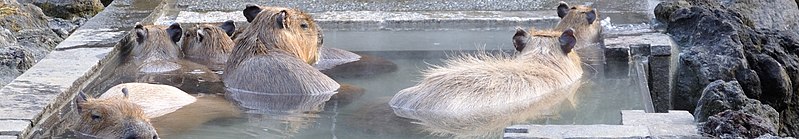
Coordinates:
(748, 41)
(68, 9)
(736, 124)
(721, 96)
(29, 25)
(13, 59)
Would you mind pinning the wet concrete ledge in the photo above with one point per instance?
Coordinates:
(635, 124)
(51, 84)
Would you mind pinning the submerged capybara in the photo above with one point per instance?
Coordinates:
(272, 55)
(583, 19)
(209, 45)
(469, 85)
(110, 118)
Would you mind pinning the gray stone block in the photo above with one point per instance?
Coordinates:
(640, 118)
(13, 127)
(8, 137)
(659, 82)
(660, 49)
(639, 49)
(576, 131)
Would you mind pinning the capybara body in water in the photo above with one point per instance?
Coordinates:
(209, 45)
(110, 118)
(472, 84)
(272, 55)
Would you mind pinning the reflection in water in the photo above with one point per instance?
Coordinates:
(282, 114)
(489, 121)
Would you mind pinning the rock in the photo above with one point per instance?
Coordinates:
(736, 124)
(347, 94)
(789, 126)
(753, 42)
(68, 9)
(13, 58)
(156, 100)
(663, 10)
(720, 96)
(30, 27)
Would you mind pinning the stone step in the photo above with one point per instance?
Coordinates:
(575, 131)
(673, 124)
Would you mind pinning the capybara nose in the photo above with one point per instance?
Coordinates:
(155, 136)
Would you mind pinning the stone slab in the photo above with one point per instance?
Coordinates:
(575, 131)
(658, 43)
(8, 137)
(13, 127)
(640, 118)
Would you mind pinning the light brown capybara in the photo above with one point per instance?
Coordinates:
(209, 45)
(272, 55)
(110, 118)
(468, 86)
(582, 19)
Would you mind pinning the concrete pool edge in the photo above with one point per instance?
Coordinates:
(44, 89)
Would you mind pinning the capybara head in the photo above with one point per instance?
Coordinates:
(558, 45)
(208, 44)
(111, 118)
(154, 47)
(290, 30)
(583, 19)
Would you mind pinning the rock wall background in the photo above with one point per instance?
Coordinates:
(30, 29)
(748, 48)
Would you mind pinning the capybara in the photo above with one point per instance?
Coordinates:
(468, 86)
(582, 19)
(266, 57)
(110, 118)
(209, 45)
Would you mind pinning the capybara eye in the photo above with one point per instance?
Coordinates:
(304, 26)
(96, 117)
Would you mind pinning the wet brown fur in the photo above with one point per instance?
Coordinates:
(271, 58)
(301, 36)
(212, 51)
(157, 53)
(112, 118)
(576, 18)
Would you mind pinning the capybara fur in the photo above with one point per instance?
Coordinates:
(469, 85)
(265, 58)
(290, 30)
(583, 19)
(209, 45)
(110, 118)
(153, 48)
(154, 99)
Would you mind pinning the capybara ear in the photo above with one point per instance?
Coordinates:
(175, 32)
(567, 41)
(125, 92)
(563, 9)
(520, 39)
(251, 11)
(139, 30)
(591, 16)
(80, 99)
(229, 27)
(280, 19)
(200, 33)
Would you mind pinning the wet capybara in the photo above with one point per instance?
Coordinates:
(153, 48)
(471, 84)
(209, 45)
(272, 55)
(154, 99)
(110, 118)
(583, 19)
(290, 30)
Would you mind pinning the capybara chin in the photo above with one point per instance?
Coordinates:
(265, 58)
(471, 84)
(154, 48)
(110, 118)
(290, 30)
(583, 19)
(209, 45)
